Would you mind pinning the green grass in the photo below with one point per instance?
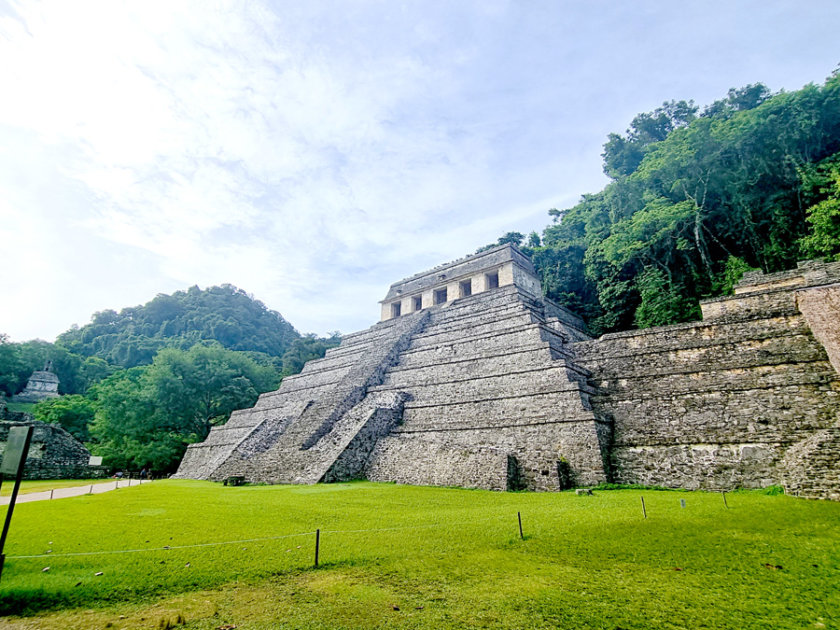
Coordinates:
(444, 557)
(40, 485)
(20, 407)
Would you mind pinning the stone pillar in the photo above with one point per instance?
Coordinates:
(428, 298)
(453, 291)
(506, 274)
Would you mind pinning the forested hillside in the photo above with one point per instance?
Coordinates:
(225, 314)
(697, 197)
(141, 384)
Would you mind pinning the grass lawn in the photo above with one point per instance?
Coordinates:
(22, 407)
(419, 557)
(46, 484)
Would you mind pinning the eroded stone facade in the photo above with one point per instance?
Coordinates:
(42, 385)
(473, 379)
(53, 452)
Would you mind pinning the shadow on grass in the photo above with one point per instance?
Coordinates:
(30, 601)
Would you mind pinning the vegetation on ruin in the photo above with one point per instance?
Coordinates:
(422, 557)
(695, 198)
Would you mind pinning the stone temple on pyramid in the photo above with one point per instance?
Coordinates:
(472, 378)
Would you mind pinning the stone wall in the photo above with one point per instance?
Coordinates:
(718, 404)
(53, 453)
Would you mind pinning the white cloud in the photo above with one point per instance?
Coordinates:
(313, 153)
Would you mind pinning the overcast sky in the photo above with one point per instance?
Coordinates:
(312, 153)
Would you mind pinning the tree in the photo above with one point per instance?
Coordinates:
(73, 412)
(306, 349)
(623, 154)
(9, 366)
(147, 415)
(224, 314)
(733, 271)
(201, 387)
(823, 182)
(514, 238)
(742, 182)
(661, 301)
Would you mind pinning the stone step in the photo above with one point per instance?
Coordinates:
(741, 354)
(455, 368)
(507, 340)
(496, 411)
(733, 379)
(376, 329)
(331, 363)
(685, 336)
(278, 399)
(375, 334)
(552, 379)
(313, 379)
(303, 449)
(226, 435)
(490, 320)
(478, 303)
(770, 415)
(478, 307)
(523, 361)
(497, 328)
(746, 306)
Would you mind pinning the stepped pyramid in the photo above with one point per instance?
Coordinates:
(467, 380)
(473, 379)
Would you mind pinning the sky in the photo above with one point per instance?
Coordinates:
(313, 152)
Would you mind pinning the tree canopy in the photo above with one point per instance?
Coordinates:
(751, 182)
(145, 416)
(224, 314)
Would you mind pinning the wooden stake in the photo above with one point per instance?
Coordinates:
(51, 493)
(644, 511)
(724, 500)
(519, 516)
(317, 545)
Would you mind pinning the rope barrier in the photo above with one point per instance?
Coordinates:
(237, 542)
(166, 548)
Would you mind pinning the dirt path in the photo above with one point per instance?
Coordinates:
(75, 491)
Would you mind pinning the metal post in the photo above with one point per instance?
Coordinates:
(519, 516)
(17, 449)
(317, 545)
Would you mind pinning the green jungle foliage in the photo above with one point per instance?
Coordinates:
(141, 384)
(225, 314)
(421, 557)
(145, 416)
(696, 198)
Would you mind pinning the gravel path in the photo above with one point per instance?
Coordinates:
(75, 491)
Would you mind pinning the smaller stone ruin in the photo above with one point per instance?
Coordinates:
(42, 385)
(53, 453)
